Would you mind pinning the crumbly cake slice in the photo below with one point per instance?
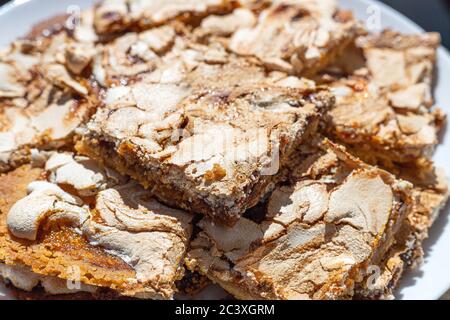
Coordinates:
(403, 64)
(297, 37)
(72, 221)
(173, 54)
(133, 54)
(383, 109)
(215, 152)
(314, 239)
(112, 16)
(430, 197)
(42, 96)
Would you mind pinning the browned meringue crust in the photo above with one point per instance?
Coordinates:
(383, 108)
(42, 96)
(297, 37)
(114, 16)
(430, 196)
(132, 57)
(230, 137)
(169, 76)
(384, 114)
(77, 222)
(316, 238)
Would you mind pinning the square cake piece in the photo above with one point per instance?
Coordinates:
(313, 239)
(162, 74)
(113, 16)
(297, 37)
(69, 226)
(175, 54)
(430, 195)
(383, 107)
(42, 97)
(210, 151)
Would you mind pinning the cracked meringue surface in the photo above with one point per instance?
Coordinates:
(214, 152)
(389, 95)
(112, 129)
(430, 195)
(297, 37)
(73, 221)
(316, 238)
(119, 15)
(41, 101)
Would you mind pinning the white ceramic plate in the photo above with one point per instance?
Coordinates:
(432, 279)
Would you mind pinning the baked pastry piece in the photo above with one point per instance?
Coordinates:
(383, 108)
(174, 54)
(314, 239)
(210, 151)
(132, 55)
(297, 37)
(42, 97)
(112, 16)
(202, 104)
(163, 75)
(384, 114)
(71, 227)
(430, 196)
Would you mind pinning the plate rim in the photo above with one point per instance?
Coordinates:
(11, 5)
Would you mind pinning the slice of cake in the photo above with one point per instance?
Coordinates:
(297, 37)
(42, 96)
(113, 16)
(211, 151)
(430, 197)
(316, 238)
(72, 227)
(383, 108)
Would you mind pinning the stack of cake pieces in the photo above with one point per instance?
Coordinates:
(274, 148)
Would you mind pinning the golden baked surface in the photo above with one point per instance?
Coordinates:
(274, 147)
(316, 238)
(73, 221)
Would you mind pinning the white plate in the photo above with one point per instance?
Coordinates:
(432, 279)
